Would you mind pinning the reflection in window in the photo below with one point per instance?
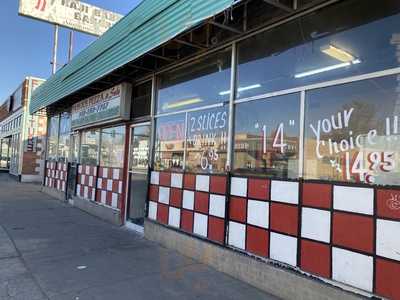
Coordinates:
(142, 100)
(169, 143)
(53, 137)
(207, 133)
(267, 137)
(317, 48)
(90, 147)
(353, 132)
(75, 147)
(205, 82)
(64, 139)
(140, 148)
(112, 147)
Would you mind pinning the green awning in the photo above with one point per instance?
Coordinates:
(149, 25)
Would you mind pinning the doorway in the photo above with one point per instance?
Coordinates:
(138, 174)
(5, 155)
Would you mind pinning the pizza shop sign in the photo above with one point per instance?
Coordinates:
(108, 106)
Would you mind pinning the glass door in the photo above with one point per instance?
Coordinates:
(138, 173)
(5, 153)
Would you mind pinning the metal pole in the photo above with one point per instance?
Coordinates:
(71, 45)
(55, 47)
(231, 109)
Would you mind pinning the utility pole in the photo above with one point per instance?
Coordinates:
(55, 47)
(71, 45)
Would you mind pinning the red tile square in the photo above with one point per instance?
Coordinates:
(162, 213)
(175, 197)
(189, 181)
(115, 186)
(257, 241)
(387, 279)
(187, 220)
(353, 231)
(259, 189)
(316, 258)
(201, 202)
(389, 203)
(284, 218)
(238, 209)
(218, 184)
(317, 195)
(165, 178)
(153, 193)
(98, 195)
(216, 229)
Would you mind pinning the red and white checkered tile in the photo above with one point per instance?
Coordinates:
(192, 203)
(56, 175)
(110, 187)
(86, 182)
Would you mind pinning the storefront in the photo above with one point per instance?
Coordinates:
(281, 141)
(22, 134)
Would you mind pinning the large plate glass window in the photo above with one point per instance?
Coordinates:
(90, 147)
(64, 139)
(142, 100)
(207, 132)
(112, 147)
(53, 137)
(170, 142)
(320, 47)
(267, 137)
(352, 132)
(202, 83)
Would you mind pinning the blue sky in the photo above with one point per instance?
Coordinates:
(26, 44)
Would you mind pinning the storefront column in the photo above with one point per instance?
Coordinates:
(231, 108)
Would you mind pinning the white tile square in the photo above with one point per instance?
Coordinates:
(116, 174)
(352, 268)
(388, 239)
(217, 206)
(283, 248)
(109, 184)
(202, 183)
(200, 225)
(354, 199)
(163, 195)
(80, 169)
(152, 210)
(91, 181)
(99, 183)
(316, 224)
(103, 197)
(258, 213)
(237, 235)
(86, 192)
(87, 171)
(176, 180)
(105, 173)
(239, 186)
(120, 187)
(174, 217)
(285, 191)
(83, 179)
(155, 178)
(114, 200)
(188, 200)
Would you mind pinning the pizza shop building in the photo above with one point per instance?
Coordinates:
(260, 136)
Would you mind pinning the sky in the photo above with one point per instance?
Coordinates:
(26, 44)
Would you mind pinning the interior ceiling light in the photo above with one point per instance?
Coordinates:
(181, 103)
(338, 53)
(242, 89)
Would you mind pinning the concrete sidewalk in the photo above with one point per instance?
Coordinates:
(49, 250)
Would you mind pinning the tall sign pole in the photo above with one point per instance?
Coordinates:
(71, 45)
(55, 48)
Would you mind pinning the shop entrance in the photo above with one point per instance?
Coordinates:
(138, 173)
(5, 153)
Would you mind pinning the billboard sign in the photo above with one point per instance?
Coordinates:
(72, 14)
(108, 106)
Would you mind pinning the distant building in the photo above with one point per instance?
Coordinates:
(22, 135)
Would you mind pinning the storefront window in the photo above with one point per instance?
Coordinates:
(267, 137)
(142, 100)
(75, 147)
(170, 143)
(112, 147)
(353, 132)
(207, 133)
(64, 139)
(90, 147)
(320, 47)
(205, 82)
(53, 137)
